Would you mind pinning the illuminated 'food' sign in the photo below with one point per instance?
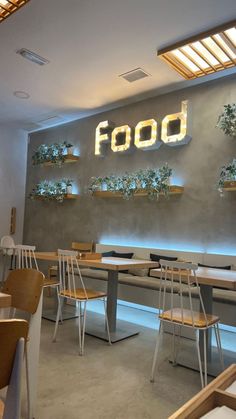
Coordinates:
(105, 133)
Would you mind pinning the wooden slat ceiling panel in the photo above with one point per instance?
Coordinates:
(7, 7)
(215, 51)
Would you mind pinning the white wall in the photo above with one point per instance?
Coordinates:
(13, 158)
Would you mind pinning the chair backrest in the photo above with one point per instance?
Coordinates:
(184, 274)
(11, 331)
(25, 287)
(83, 247)
(25, 256)
(8, 244)
(68, 266)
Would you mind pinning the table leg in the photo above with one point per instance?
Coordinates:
(4, 267)
(119, 329)
(112, 291)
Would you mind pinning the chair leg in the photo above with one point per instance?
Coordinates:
(178, 345)
(80, 328)
(219, 347)
(27, 382)
(199, 357)
(57, 319)
(106, 320)
(205, 357)
(83, 327)
(59, 303)
(159, 335)
(173, 346)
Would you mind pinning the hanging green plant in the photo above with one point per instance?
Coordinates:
(227, 120)
(49, 190)
(152, 181)
(227, 173)
(54, 153)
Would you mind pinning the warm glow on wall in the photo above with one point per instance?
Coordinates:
(9, 7)
(203, 54)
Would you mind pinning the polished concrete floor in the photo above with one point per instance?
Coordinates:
(109, 382)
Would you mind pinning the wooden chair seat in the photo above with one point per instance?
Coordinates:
(79, 294)
(50, 282)
(198, 320)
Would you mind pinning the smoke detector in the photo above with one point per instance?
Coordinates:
(134, 75)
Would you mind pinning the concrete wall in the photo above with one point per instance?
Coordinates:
(199, 220)
(13, 159)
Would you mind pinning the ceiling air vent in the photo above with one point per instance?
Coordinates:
(50, 120)
(31, 56)
(134, 75)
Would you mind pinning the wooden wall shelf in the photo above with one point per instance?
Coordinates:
(69, 158)
(67, 196)
(174, 190)
(230, 185)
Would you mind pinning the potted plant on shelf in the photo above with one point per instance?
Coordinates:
(227, 175)
(50, 190)
(227, 120)
(54, 153)
(68, 183)
(151, 182)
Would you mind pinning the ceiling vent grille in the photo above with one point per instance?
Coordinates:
(32, 56)
(134, 75)
(50, 120)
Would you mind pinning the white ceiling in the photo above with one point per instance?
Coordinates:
(89, 43)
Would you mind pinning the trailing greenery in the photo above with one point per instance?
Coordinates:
(228, 172)
(55, 153)
(50, 190)
(153, 181)
(227, 120)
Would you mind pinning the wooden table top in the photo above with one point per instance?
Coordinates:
(221, 278)
(109, 263)
(5, 300)
(217, 277)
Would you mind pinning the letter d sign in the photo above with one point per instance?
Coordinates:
(183, 136)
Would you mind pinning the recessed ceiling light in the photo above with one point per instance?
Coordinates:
(32, 56)
(7, 7)
(203, 54)
(21, 95)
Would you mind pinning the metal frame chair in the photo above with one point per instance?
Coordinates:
(68, 265)
(197, 320)
(25, 258)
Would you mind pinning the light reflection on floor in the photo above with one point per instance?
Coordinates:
(149, 319)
